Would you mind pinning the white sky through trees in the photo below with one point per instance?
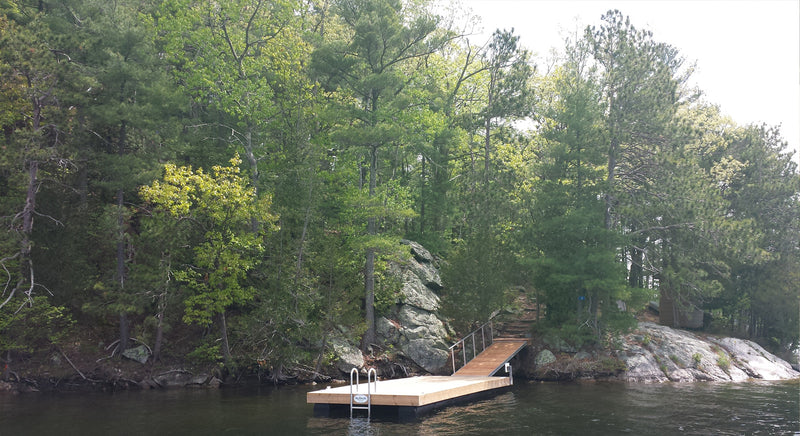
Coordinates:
(747, 52)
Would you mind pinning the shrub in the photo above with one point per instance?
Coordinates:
(723, 361)
(31, 326)
(204, 354)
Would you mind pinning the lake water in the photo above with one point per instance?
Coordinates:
(524, 409)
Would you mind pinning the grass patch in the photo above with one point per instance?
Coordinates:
(724, 362)
(677, 360)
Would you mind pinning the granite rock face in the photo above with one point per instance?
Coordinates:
(655, 353)
(412, 325)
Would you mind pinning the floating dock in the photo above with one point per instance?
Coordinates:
(412, 391)
(414, 395)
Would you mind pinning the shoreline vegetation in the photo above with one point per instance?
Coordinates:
(649, 354)
(206, 193)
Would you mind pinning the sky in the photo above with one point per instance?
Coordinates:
(747, 52)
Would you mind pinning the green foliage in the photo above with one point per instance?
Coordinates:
(625, 186)
(228, 211)
(387, 291)
(28, 326)
(205, 354)
(477, 276)
(723, 361)
(612, 365)
(568, 335)
(577, 265)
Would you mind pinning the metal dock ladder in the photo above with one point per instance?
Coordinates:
(361, 401)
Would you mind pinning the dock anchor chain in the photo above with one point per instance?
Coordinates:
(361, 401)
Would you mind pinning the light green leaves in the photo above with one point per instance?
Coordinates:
(233, 219)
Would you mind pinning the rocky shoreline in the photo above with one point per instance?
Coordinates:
(654, 353)
(413, 340)
(650, 354)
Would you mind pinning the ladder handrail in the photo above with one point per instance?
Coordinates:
(474, 347)
(372, 379)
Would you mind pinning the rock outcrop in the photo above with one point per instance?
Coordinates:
(656, 353)
(411, 328)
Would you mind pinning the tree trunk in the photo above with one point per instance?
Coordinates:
(124, 329)
(369, 266)
(486, 146)
(369, 301)
(159, 338)
(226, 349)
(26, 264)
(612, 166)
(635, 275)
(301, 248)
(162, 308)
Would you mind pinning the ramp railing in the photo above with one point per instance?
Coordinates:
(478, 337)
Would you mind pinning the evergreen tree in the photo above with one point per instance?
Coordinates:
(381, 45)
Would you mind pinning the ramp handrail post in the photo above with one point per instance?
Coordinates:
(473, 346)
(463, 343)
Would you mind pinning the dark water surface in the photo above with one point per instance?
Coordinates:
(525, 409)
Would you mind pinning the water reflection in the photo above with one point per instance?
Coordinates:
(360, 427)
(528, 408)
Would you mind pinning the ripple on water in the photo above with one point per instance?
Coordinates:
(525, 409)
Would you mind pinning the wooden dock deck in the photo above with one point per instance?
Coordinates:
(412, 391)
(422, 393)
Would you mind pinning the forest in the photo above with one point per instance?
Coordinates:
(227, 181)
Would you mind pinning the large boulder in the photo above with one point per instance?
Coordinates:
(426, 354)
(418, 323)
(348, 355)
(139, 354)
(544, 357)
